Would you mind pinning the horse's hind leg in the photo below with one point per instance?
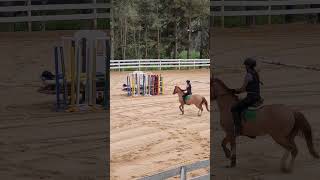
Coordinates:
(284, 160)
(200, 110)
(294, 153)
(289, 147)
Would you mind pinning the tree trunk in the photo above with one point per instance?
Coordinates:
(121, 37)
(189, 29)
(139, 40)
(189, 37)
(125, 38)
(288, 18)
(146, 43)
(135, 43)
(112, 34)
(175, 54)
(201, 38)
(158, 34)
(158, 43)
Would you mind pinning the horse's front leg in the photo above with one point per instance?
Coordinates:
(181, 109)
(233, 152)
(224, 143)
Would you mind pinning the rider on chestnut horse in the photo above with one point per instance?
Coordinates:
(188, 89)
(251, 85)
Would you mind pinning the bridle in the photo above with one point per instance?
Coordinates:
(220, 95)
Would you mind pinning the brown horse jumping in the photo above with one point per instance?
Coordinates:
(197, 100)
(282, 123)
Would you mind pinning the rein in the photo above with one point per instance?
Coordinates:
(220, 95)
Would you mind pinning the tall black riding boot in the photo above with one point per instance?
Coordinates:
(237, 123)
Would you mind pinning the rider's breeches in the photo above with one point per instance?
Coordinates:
(185, 94)
(241, 106)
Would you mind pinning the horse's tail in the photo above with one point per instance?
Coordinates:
(204, 101)
(304, 127)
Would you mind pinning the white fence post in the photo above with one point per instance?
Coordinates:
(139, 64)
(222, 11)
(183, 173)
(29, 16)
(95, 21)
(269, 12)
(29, 8)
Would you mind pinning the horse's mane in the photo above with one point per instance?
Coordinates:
(222, 84)
(225, 87)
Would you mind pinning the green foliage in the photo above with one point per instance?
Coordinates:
(156, 28)
(193, 55)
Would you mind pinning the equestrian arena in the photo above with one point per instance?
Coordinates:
(37, 142)
(296, 87)
(148, 133)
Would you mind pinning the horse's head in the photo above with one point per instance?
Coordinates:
(176, 89)
(219, 88)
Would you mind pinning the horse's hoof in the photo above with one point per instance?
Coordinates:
(230, 166)
(228, 155)
(286, 170)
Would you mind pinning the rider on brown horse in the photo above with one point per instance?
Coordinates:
(252, 87)
(188, 89)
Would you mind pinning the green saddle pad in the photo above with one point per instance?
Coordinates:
(250, 115)
(187, 97)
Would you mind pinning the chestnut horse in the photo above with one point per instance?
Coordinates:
(197, 100)
(282, 123)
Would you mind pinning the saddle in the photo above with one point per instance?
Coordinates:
(257, 105)
(251, 112)
(186, 98)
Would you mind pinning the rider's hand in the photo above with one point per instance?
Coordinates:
(233, 91)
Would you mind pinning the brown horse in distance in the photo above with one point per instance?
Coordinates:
(197, 100)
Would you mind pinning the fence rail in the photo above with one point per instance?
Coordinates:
(158, 63)
(182, 172)
(29, 12)
(263, 7)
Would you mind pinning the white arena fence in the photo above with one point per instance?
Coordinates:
(158, 63)
(182, 172)
(225, 8)
(20, 11)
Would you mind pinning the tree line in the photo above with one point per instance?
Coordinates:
(160, 29)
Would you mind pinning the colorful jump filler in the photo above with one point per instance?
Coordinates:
(144, 84)
(81, 66)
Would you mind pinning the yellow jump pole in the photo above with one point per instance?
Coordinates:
(162, 86)
(159, 80)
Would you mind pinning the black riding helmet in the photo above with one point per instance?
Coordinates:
(250, 62)
(188, 81)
